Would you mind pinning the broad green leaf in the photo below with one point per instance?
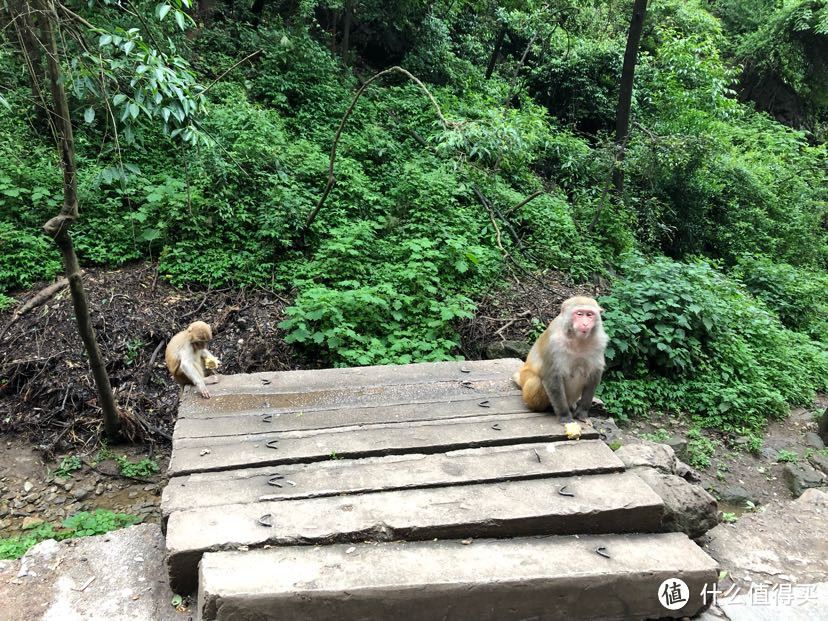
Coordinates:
(89, 115)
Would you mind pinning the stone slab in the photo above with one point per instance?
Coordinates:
(212, 454)
(335, 477)
(604, 503)
(548, 578)
(273, 419)
(335, 397)
(356, 377)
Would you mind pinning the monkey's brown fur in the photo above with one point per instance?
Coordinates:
(564, 366)
(185, 355)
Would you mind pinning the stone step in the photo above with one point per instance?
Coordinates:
(270, 419)
(314, 380)
(602, 503)
(547, 578)
(336, 397)
(347, 476)
(205, 454)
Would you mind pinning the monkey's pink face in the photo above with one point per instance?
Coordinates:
(583, 320)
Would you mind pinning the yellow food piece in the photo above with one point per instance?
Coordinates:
(573, 430)
(211, 362)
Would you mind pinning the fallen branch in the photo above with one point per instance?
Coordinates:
(524, 201)
(148, 372)
(38, 299)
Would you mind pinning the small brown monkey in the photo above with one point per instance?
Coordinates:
(565, 365)
(188, 358)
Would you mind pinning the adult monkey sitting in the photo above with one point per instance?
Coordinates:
(188, 358)
(565, 365)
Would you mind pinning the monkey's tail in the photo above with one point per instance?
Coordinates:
(534, 394)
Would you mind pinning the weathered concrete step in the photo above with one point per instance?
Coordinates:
(272, 419)
(334, 397)
(546, 579)
(348, 476)
(603, 503)
(211, 454)
(359, 377)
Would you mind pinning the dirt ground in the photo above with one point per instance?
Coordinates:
(48, 405)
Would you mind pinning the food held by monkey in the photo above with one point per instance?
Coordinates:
(565, 365)
(188, 358)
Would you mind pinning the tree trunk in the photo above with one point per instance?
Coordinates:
(346, 30)
(58, 227)
(622, 119)
(21, 16)
(256, 9)
(495, 52)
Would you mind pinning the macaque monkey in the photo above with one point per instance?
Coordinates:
(188, 358)
(565, 365)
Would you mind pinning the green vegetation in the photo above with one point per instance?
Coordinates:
(699, 449)
(68, 464)
(141, 469)
(82, 524)
(784, 456)
(716, 250)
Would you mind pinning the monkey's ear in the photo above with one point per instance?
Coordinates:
(600, 310)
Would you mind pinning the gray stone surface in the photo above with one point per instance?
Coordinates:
(813, 440)
(737, 496)
(822, 426)
(349, 476)
(802, 476)
(678, 444)
(651, 454)
(820, 462)
(603, 503)
(507, 349)
(810, 606)
(688, 508)
(781, 550)
(350, 387)
(786, 543)
(114, 577)
(253, 421)
(210, 454)
(546, 578)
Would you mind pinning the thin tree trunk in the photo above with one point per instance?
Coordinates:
(495, 52)
(58, 227)
(24, 27)
(622, 119)
(346, 30)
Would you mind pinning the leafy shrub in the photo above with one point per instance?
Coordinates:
(141, 469)
(25, 258)
(699, 449)
(370, 300)
(685, 338)
(799, 296)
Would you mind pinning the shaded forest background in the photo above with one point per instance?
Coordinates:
(203, 138)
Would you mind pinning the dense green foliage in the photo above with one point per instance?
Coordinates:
(690, 340)
(730, 328)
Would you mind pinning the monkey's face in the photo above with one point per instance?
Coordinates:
(583, 321)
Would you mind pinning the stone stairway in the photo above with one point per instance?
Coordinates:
(422, 491)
